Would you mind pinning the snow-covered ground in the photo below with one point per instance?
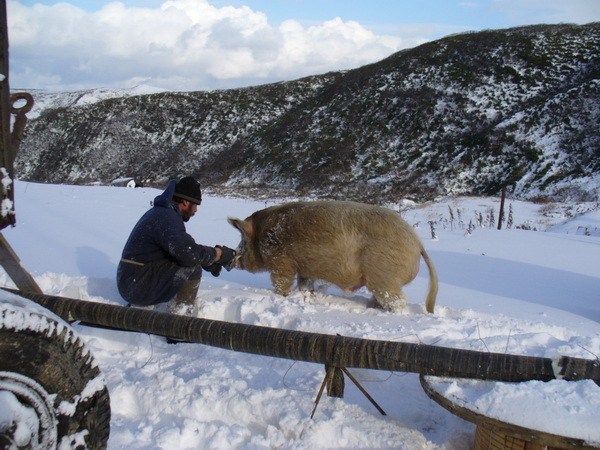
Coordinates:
(515, 290)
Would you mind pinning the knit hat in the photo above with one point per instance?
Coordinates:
(188, 189)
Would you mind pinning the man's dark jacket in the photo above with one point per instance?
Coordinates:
(169, 255)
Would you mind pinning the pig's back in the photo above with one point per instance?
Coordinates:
(321, 222)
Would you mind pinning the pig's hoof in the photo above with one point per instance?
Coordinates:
(391, 303)
(283, 292)
(373, 303)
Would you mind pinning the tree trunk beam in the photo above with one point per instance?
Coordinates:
(337, 351)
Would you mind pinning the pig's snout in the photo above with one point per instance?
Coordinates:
(236, 262)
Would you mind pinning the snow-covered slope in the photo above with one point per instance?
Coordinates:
(45, 100)
(516, 290)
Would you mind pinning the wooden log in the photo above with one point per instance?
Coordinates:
(337, 351)
(6, 154)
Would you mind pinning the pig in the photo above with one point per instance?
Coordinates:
(344, 243)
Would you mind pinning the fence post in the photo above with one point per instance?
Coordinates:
(501, 213)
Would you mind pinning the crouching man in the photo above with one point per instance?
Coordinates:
(161, 262)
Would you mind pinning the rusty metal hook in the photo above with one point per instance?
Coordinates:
(14, 98)
(20, 117)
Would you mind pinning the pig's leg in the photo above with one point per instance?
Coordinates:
(389, 300)
(282, 284)
(282, 277)
(385, 287)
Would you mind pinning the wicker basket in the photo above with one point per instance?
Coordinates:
(493, 434)
(488, 438)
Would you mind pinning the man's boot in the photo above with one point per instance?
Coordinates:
(184, 302)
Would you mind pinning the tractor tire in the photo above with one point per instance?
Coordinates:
(52, 393)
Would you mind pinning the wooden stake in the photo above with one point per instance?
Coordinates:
(366, 394)
(330, 373)
(501, 213)
(335, 381)
(11, 264)
(318, 399)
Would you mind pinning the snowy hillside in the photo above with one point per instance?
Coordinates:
(463, 115)
(46, 100)
(516, 290)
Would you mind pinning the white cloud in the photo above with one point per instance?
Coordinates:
(183, 44)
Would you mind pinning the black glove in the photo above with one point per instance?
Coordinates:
(227, 257)
(214, 269)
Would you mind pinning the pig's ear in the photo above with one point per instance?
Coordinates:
(244, 226)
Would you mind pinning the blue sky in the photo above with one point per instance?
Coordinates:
(211, 44)
(387, 14)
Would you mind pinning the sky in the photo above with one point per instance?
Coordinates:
(499, 291)
(186, 45)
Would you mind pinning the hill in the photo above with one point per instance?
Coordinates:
(463, 115)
